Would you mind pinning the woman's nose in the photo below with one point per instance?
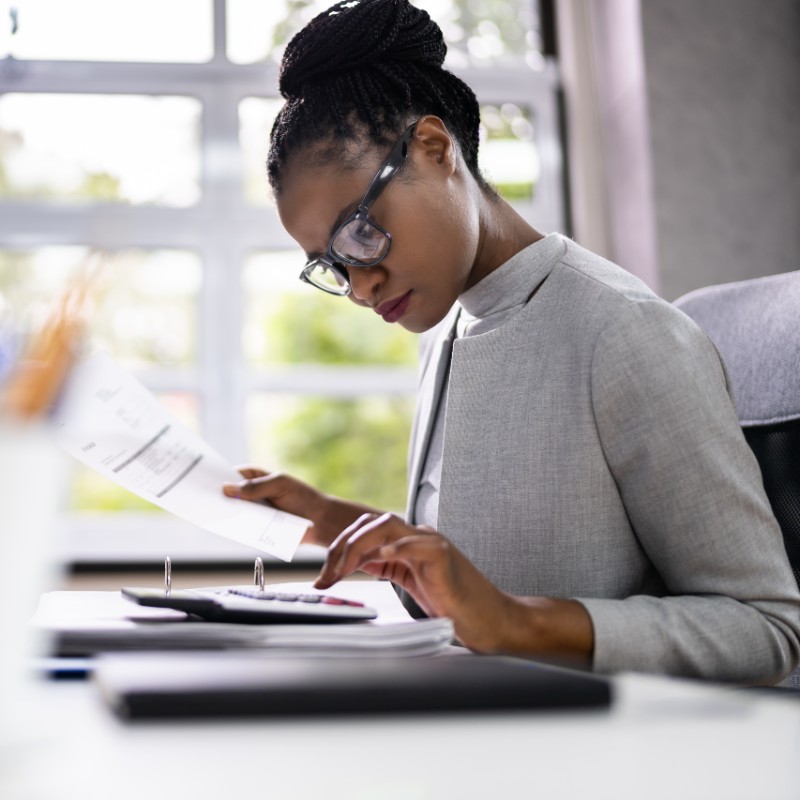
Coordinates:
(365, 281)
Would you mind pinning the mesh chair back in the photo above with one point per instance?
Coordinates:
(777, 448)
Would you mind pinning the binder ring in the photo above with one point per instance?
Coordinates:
(258, 573)
(167, 576)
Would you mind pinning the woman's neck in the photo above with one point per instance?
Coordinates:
(503, 233)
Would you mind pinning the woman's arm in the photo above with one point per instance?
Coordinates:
(329, 515)
(439, 577)
(693, 493)
(445, 583)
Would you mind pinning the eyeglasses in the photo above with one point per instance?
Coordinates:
(359, 241)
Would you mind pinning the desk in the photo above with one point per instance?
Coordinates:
(662, 739)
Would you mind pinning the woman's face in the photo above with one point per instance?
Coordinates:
(430, 209)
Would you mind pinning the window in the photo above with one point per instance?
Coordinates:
(132, 149)
(148, 142)
(125, 30)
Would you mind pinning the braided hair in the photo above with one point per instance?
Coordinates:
(368, 67)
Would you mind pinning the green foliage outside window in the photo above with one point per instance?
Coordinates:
(352, 447)
(313, 328)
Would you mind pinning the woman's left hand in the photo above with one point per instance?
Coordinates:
(442, 580)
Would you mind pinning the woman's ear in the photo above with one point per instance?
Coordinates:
(435, 146)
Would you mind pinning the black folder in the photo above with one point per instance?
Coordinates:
(147, 686)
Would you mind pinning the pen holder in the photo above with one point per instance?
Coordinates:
(31, 473)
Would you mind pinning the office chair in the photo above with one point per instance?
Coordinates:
(755, 324)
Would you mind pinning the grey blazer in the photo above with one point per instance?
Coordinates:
(592, 451)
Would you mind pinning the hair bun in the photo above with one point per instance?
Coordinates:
(355, 35)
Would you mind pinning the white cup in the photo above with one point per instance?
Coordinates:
(31, 482)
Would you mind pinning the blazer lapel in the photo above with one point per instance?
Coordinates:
(431, 387)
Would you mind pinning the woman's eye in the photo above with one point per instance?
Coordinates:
(359, 240)
(363, 231)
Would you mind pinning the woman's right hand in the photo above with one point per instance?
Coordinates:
(329, 516)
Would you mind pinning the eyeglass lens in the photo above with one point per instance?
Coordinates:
(325, 277)
(360, 242)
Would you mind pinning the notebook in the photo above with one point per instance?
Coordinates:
(148, 686)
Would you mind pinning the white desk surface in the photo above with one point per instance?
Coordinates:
(661, 739)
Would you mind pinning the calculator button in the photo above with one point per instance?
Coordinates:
(337, 601)
(252, 594)
(289, 598)
(309, 598)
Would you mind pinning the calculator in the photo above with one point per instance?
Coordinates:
(253, 605)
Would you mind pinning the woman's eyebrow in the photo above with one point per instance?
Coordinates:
(340, 218)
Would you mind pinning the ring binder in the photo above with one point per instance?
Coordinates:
(258, 574)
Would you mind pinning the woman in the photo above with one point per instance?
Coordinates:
(580, 487)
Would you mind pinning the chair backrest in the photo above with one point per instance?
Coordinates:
(755, 325)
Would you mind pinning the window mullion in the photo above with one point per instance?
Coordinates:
(219, 317)
(220, 32)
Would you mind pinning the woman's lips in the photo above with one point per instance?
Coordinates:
(392, 310)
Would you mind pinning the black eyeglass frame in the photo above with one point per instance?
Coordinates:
(380, 181)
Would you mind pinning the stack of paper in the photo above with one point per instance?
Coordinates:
(86, 623)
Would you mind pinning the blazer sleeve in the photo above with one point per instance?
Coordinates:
(693, 491)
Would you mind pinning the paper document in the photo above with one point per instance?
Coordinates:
(113, 424)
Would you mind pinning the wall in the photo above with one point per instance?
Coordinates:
(723, 81)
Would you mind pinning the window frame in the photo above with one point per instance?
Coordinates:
(223, 228)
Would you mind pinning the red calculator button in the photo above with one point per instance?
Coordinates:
(337, 601)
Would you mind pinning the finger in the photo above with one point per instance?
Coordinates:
(232, 489)
(342, 538)
(267, 487)
(374, 565)
(423, 566)
(370, 562)
(251, 472)
(420, 565)
(391, 570)
(360, 544)
(416, 547)
(328, 575)
(424, 555)
(368, 540)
